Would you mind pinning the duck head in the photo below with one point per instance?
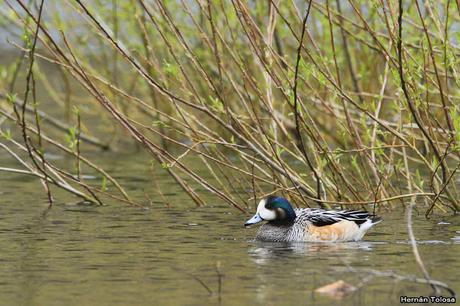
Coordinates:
(276, 210)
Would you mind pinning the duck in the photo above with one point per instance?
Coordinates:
(286, 224)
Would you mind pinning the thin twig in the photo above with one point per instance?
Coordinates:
(413, 242)
(296, 108)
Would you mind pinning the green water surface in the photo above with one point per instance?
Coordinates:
(168, 254)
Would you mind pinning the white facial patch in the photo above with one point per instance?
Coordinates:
(264, 213)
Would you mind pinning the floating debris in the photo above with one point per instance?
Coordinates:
(443, 223)
(337, 289)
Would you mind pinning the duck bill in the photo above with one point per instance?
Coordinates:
(254, 220)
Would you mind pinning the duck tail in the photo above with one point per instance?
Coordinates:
(375, 219)
(370, 222)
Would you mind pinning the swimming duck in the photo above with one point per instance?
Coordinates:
(309, 224)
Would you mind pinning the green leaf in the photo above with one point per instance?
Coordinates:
(71, 137)
(11, 98)
(165, 165)
(76, 111)
(216, 103)
(104, 184)
(170, 69)
(6, 134)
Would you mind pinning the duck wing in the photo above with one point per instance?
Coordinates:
(321, 217)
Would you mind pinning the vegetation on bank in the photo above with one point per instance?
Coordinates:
(324, 102)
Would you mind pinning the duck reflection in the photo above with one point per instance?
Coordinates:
(300, 267)
(263, 252)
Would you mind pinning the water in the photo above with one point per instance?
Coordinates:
(120, 255)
